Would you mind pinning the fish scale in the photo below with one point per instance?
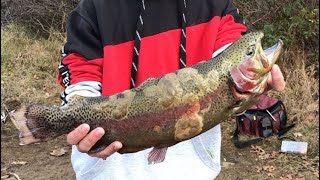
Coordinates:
(162, 111)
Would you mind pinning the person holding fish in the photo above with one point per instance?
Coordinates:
(113, 46)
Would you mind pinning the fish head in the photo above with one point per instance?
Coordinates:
(251, 74)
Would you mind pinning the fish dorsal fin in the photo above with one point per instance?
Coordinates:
(147, 83)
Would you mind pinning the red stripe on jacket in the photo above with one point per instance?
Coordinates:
(80, 69)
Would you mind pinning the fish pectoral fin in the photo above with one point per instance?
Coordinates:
(100, 145)
(157, 155)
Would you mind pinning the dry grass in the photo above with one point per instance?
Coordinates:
(301, 97)
(29, 66)
(302, 92)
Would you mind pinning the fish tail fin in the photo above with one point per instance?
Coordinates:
(29, 120)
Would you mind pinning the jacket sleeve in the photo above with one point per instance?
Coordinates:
(231, 26)
(80, 68)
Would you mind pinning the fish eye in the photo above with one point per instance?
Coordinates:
(250, 50)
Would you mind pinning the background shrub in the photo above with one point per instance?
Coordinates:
(37, 15)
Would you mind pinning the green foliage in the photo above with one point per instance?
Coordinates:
(297, 25)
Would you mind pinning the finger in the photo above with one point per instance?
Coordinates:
(276, 80)
(89, 140)
(75, 136)
(109, 150)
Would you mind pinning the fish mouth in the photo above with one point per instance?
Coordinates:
(269, 56)
(273, 52)
(251, 76)
(262, 61)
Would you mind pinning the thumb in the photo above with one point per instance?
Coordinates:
(276, 80)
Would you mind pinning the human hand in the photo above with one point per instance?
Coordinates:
(276, 80)
(85, 140)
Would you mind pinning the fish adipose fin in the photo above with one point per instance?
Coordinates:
(157, 155)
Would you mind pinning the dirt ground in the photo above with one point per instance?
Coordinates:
(262, 161)
(39, 163)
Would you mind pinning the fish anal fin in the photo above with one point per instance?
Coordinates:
(157, 155)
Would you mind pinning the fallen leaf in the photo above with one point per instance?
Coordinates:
(259, 169)
(19, 162)
(268, 168)
(292, 177)
(58, 152)
(316, 173)
(257, 150)
(297, 134)
(274, 154)
(289, 176)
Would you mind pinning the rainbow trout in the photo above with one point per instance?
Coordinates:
(162, 111)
